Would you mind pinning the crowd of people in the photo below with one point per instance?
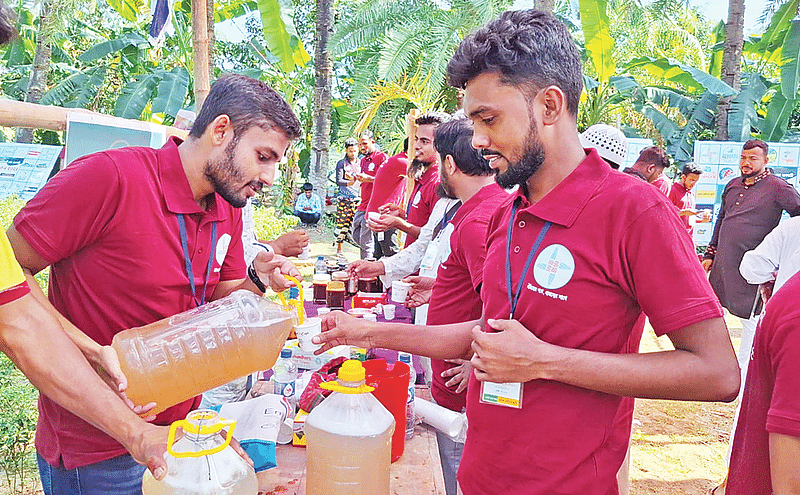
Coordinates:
(533, 263)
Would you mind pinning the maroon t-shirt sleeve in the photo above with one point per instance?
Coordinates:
(783, 416)
(81, 198)
(661, 270)
(14, 293)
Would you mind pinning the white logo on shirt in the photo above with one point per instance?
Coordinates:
(222, 248)
(417, 197)
(554, 267)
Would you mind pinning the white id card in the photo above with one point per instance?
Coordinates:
(429, 260)
(502, 394)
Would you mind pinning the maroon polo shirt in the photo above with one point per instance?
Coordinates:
(615, 249)
(684, 199)
(390, 182)
(662, 183)
(370, 165)
(107, 225)
(422, 199)
(456, 293)
(770, 403)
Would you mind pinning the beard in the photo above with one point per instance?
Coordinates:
(444, 189)
(532, 158)
(223, 174)
(416, 168)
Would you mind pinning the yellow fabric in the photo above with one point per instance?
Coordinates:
(10, 271)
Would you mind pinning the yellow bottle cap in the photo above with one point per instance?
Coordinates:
(351, 371)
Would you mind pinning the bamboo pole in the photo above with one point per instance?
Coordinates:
(202, 79)
(21, 114)
(411, 131)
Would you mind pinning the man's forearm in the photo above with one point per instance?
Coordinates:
(784, 450)
(35, 341)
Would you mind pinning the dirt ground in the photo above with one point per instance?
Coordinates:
(678, 448)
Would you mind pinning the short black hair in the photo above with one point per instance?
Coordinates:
(654, 155)
(692, 168)
(454, 138)
(529, 48)
(432, 118)
(756, 143)
(248, 102)
(308, 186)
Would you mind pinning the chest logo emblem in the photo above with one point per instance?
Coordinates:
(553, 267)
(222, 248)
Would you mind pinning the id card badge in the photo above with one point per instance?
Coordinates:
(429, 259)
(502, 394)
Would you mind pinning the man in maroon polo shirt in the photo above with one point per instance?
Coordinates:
(370, 163)
(424, 169)
(133, 235)
(682, 196)
(569, 269)
(389, 187)
(651, 163)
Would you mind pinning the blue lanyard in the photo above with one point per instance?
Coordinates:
(411, 199)
(188, 262)
(513, 296)
(446, 219)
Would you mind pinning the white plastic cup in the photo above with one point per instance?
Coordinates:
(305, 254)
(451, 423)
(323, 311)
(309, 328)
(388, 311)
(400, 291)
(370, 317)
(285, 431)
(374, 215)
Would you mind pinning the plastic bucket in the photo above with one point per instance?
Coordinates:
(391, 389)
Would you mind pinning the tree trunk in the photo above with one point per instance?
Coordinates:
(211, 38)
(37, 85)
(322, 99)
(731, 63)
(545, 5)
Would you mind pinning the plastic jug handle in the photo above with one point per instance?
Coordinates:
(187, 426)
(298, 304)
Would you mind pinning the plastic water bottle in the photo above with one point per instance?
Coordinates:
(412, 380)
(320, 266)
(349, 439)
(285, 377)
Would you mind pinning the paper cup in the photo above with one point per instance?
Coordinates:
(323, 311)
(309, 328)
(305, 254)
(370, 317)
(449, 422)
(400, 291)
(373, 215)
(388, 311)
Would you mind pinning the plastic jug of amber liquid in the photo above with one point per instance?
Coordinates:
(177, 358)
(202, 462)
(349, 439)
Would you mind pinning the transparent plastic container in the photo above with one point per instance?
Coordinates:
(202, 461)
(349, 439)
(177, 358)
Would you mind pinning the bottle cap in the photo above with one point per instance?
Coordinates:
(322, 278)
(351, 371)
(286, 353)
(405, 357)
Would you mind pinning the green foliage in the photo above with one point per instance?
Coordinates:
(18, 417)
(269, 225)
(9, 207)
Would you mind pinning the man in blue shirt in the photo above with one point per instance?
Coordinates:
(308, 206)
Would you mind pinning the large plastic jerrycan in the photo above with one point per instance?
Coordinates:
(202, 462)
(349, 439)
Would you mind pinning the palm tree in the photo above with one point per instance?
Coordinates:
(731, 63)
(322, 97)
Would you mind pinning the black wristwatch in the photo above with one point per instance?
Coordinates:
(251, 272)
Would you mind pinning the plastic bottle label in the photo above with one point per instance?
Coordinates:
(411, 392)
(285, 389)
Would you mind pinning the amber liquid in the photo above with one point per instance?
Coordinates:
(319, 292)
(345, 465)
(169, 364)
(335, 298)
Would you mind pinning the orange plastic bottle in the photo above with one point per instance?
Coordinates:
(177, 358)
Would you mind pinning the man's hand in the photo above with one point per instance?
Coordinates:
(148, 447)
(707, 264)
(291, 243)
(106, 365)
(366, 269)
(420, 291)
(512, 354)
(383, 223)
(339, 328)
(271, 269)
(765, 290)
(393, 210)
(459, 373)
